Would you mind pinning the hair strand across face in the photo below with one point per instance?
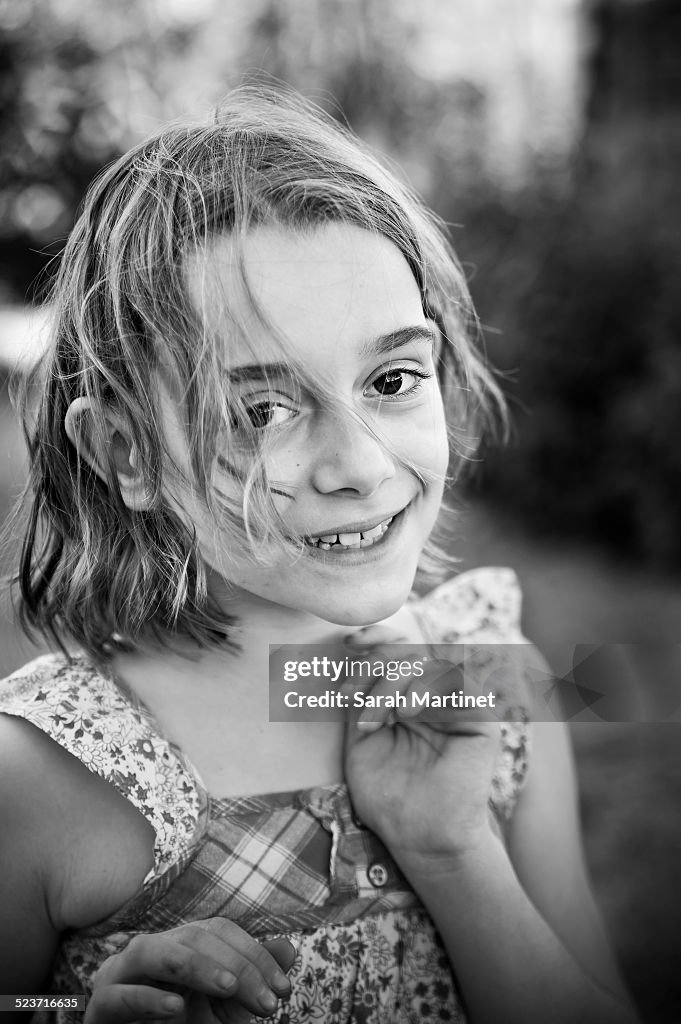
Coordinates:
(93, 569)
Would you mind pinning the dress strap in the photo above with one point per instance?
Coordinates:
(481, 604)
(81, 708)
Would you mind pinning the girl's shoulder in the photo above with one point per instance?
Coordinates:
(83, 709)
(47, 670)
(70, 700)
(482, 604)
(89, 848)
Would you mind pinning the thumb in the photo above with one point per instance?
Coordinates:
(367, 709)
(353, 710)
(373, 636)
(283, 951)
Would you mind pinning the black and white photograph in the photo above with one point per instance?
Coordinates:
(340, 505)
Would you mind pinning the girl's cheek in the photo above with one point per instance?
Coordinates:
(424, 437)
(286, 462)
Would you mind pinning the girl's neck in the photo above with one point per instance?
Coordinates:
(214, 705)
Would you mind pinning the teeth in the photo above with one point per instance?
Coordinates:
(377, 531)
(350, 540)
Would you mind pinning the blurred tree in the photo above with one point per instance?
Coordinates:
(82, 82)
(78, 83)
(598, 326)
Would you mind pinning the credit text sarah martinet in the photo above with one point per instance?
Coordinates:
(358, 699)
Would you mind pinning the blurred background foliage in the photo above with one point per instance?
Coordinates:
(545, 132)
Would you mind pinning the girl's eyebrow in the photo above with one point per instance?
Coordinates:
(257, 371)
(398, 338)
(384, 343)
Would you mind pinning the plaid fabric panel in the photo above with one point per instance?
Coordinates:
(281, 862)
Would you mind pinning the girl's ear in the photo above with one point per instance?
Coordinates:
(97, 443)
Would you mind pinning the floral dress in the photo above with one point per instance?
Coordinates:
(298, 864)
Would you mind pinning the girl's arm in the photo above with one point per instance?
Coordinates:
(522, 929)
(520, 925)
(28, 938)
(65, 838)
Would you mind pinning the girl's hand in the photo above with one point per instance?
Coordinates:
(421, 778)
(210, 971)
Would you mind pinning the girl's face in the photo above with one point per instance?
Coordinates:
(349, 306)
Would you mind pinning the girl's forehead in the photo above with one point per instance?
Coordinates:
(333, 284)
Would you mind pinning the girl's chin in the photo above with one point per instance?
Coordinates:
(362, 612)
(359, 603)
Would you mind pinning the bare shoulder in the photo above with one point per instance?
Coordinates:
(28, 936)
(72, 851)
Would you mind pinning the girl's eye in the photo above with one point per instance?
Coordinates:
(399, 381)
(268, 413)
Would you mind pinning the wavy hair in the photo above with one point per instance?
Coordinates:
(93, 570)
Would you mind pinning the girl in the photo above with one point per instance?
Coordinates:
(259, 379)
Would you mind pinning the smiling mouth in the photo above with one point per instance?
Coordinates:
(350, 541)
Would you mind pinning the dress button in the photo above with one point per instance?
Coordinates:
(377, 875)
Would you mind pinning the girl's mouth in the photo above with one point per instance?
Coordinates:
(337, 542)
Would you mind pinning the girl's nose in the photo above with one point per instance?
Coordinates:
(347, 457)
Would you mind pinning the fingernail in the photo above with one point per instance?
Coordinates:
(366, 725)
(172, 1004)
(354, 638)
(267, 1000)
(226, 980)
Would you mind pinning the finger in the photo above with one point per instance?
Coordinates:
(283, 951)
(372, 636)
(450, 704)
(355, 734)
(215, 958)
(440, 680)
(177, 957)
(123, 1004)
(259, 979)
(444, 723)
(370, 703)
(376, 682)
(224, 934)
